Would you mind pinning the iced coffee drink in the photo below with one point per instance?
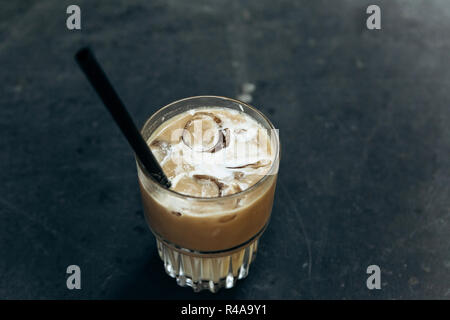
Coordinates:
(221, 157)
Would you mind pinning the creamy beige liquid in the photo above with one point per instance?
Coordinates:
(211, 153)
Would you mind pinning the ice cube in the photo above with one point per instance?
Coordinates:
(254, 165)
(160, 149)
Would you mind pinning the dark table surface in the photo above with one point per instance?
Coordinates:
(364, 123)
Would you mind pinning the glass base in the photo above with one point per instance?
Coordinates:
(207, 271)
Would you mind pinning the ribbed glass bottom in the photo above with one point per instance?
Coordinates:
(207, 272)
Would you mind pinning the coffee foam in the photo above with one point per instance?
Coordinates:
(230, 156)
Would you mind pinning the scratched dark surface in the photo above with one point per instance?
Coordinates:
(364, 122)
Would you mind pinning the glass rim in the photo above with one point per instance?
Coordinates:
(212, 199)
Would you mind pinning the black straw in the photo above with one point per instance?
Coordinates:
(101, 84)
